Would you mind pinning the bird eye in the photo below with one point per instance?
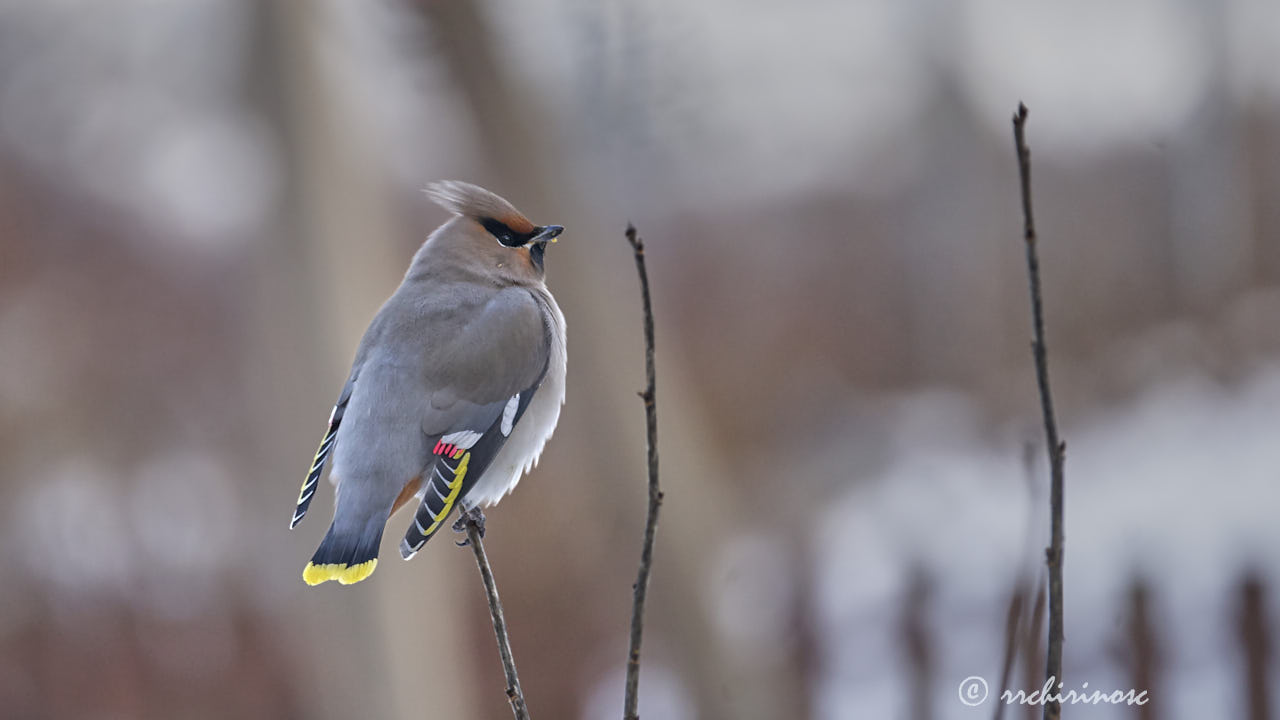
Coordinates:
(502, 233)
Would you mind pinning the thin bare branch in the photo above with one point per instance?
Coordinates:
(631, 700)
(1024, 586)
(474, 523)
(1012, 620)
(1056, 447)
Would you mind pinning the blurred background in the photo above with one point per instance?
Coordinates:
(202, 204)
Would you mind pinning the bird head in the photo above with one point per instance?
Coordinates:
(492, 228)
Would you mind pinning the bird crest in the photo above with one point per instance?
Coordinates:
(475, 202)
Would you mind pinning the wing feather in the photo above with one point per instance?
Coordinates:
(501, 358)
(309, 484)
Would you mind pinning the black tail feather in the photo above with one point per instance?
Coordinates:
(347, 554)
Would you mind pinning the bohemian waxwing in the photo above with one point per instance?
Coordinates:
(456, 385)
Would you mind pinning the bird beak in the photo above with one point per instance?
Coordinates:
(547, 233)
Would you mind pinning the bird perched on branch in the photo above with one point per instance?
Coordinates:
(455, 389)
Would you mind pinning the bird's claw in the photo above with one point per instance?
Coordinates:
(474, 515)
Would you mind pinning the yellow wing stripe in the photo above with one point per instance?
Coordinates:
(317, 462)
(455, 486)
(310, 480)
(321, 453)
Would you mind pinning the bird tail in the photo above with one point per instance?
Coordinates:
(348, 553)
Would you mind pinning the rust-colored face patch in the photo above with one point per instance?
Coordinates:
(516, 222)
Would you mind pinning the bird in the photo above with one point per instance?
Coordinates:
(455, 388)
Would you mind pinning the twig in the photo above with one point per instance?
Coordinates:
(1023, 585)
(1012, 619)
(1056, 447)
(1033, 641)
(475, 533)
(1255, 636)
(631, 700)
(921, 654)
(1144, 647)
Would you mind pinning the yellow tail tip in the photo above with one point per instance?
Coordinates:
(345, 574)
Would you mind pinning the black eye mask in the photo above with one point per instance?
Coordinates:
(506, 235)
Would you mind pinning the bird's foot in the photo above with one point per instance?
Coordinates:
(472, 516)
